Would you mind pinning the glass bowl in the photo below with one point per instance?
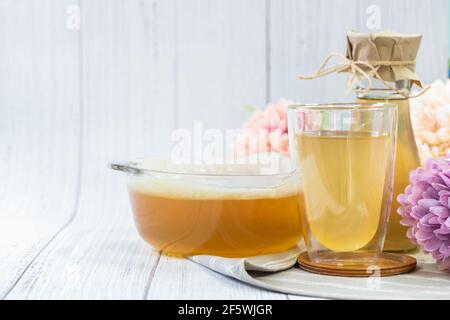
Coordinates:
(224, 210)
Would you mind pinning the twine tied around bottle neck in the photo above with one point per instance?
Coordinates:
(356, 70)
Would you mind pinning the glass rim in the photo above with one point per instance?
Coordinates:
(346, 106)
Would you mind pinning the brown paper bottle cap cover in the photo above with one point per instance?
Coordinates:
(392, 54)
(385, 56)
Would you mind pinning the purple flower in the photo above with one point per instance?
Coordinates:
(425, 209)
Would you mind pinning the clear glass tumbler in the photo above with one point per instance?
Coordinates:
(346, 155)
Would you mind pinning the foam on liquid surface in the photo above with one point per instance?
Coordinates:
(227, 184)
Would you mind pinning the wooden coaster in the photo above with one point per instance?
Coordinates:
(388, 264)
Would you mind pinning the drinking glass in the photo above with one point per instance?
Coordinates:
(346, 155)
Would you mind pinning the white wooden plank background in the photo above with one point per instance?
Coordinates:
(39, 131)
(221, 60)
(73, 100)
(303, 33)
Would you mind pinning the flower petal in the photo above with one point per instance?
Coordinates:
(432, 245)
(440, 211)
(427, 203)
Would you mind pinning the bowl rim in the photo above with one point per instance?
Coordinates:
(132, 168)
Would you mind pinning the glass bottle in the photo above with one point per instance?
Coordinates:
(407, 157)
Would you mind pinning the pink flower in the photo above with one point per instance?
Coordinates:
(266, 131)
(431, 120)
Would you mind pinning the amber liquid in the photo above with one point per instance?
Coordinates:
(407, 159)
(217, 224)
(344, 185)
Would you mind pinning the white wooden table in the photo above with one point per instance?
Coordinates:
(96, 254)
(76, 94)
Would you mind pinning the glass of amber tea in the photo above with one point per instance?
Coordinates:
(228, 210)
(346, 156)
